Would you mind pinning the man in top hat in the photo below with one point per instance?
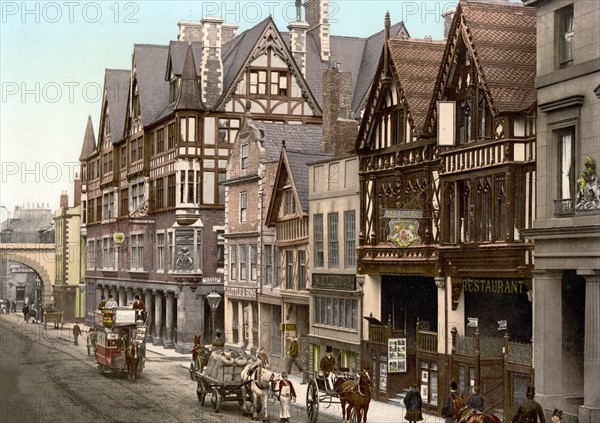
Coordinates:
(327, 365)
(448, 408)
(139, 307)
(530, 410)
(557, 415)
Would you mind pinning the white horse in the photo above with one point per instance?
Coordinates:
(259, 382)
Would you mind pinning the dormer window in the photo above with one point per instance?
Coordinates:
(289, 203)
(174, 89)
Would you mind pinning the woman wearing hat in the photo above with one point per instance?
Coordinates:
(413, 403)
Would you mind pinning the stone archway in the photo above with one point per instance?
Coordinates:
(38, 257)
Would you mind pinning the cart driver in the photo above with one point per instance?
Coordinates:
(327, 365)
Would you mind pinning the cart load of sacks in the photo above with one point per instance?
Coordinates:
(222, 367)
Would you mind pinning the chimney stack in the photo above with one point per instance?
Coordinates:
(212, 65)
(76, 191)
(64, 200)
(189, 31)
(228, 32)
(448, 15)
(298, 43)
(317, 16)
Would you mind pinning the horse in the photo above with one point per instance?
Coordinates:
(132, 359)
(357, 396)
(258, 382)
(463, 414)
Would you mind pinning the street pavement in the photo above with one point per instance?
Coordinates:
(379, 412)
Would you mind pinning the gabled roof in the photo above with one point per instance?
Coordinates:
(149, 64)
(292, 167)
(414, 65)
(116, 92)
(189, 97)
(89, 141)
(501, 39)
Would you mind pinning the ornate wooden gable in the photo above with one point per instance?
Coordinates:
(284, 202)
(271, 81)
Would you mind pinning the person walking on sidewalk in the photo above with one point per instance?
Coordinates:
(448, 408)
(413, 404)
(285, 394)
(25, 312)
(293, 356)
(76, 333)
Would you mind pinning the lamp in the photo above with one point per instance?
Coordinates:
(213, 300)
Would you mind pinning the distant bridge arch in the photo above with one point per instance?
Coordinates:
(39, 257)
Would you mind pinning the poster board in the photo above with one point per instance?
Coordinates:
(397, 355)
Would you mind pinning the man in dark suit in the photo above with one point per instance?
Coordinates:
(530, 410)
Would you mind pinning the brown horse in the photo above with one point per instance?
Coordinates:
(132, 358)
(356, 396)
(463, 414)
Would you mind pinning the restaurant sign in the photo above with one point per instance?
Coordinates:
(495, 286)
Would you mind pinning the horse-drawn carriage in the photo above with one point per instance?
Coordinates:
(353, 393)
(120, 342)
(231, 377)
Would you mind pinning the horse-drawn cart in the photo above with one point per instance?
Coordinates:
(348, 391)
(55, 317)
(120, 342)
(222, 378)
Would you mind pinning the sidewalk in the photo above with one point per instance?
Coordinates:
(379, 412)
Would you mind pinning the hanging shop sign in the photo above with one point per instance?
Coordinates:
(404, 232)
(472, 322)
(397, 355)
(502, 325)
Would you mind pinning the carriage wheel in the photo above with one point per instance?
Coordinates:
(312, 401)
(215, 399)
(192, 371)
(201, 391)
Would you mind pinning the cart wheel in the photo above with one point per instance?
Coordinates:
(201, 391)
(192, 371)
(216, 400)
(312, 401)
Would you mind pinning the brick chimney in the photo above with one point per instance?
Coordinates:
(212, 65)
(76, 191)
(64, 200)
(189, 31)
(339, 130)
(317, 16)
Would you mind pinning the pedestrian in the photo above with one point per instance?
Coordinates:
(293, 355)
(557, 415)
(25, 311)
(476, 401)
(262, 355)
(327, 366)
(102, 303)
(218, 342)
(42, 311)
(140, 308)
(285, 394)
(14, 306)
(448, 408)
(7, 305)
(530, 410)
(413, 403)
(76, 333)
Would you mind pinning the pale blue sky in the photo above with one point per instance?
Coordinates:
(53, 56)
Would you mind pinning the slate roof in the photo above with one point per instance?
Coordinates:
(149, 62)
(303, 138)
(189, 97)
(177, 54)
(504, 41)
(416, 64)
(298, 162)
(116, 85)
(89, 141)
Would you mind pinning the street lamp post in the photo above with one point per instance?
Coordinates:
(213, 300)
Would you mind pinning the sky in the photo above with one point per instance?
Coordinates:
(53, 55)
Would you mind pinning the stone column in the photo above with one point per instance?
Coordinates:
(157, 338)
(169, 320)
(129, 295)
(122, 300)
(590, 410)
(547, 337)
(149, 311)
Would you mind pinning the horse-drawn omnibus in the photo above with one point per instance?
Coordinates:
(120, 341)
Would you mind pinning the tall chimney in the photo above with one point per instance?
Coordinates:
(212, 65)
(317, 16)
(298, 43)
(76, 191)
(64, 200)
